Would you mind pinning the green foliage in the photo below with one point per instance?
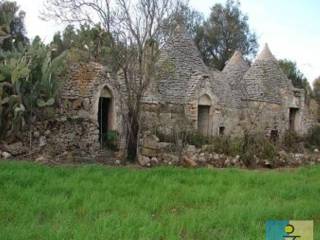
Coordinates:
(158, 203)
(28, 80)
(185, 15)
(226, 31)
(290, 68)
(41, 103)
(12, 28)
(12, 109)
(111, 140)
(248, 147)
(88, 43)
(256, 146)
(312, 139)
(225, 145)
(197, 139)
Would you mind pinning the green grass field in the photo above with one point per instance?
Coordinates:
(98, 202)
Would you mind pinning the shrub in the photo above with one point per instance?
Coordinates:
(291, 142)
(164, 137)
(312, 139)
(225, 145)
(197, 139)
(257, 146)
(110, 140)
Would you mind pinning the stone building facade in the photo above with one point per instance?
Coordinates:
(186, 92)
(240, 97)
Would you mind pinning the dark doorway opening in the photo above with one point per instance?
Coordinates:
(203, 119)
(103, 119)
(293, 112)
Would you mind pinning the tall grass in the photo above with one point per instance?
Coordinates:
(96, 202)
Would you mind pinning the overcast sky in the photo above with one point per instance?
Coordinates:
(290, 27)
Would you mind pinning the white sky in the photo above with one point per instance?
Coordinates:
(290, 27)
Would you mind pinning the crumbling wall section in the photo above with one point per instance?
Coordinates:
(74, 126)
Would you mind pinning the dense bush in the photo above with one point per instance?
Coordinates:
(225, 145)
(292, 142)
(256, 146)
(249, 147)
(28, 81)
(197, 139)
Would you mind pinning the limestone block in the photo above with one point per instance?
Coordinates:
(6, 155)
(16, 149)
(143, 160)
(189, 162)
(149, 152)
(167, 157)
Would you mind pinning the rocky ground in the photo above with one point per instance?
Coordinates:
(152, 153)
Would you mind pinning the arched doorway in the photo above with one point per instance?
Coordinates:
(105, 115)
(204, 106)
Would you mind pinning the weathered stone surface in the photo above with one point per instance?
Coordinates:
(144, 161)
(264, 79)
(190, 149)
(36, 134)
(6, 155)
(164, 145)
(16, 149)
(42, 141)
(84, 114)
(170, 158)
(42, 159)
(189, 162)
(154, 160)
(47, 132)
(149, 152)
(151, 142)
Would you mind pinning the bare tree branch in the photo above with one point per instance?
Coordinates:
(136, 28)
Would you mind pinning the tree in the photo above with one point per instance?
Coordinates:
(89, 43)
(293, 73)
(80, 12)
(184, 14)
(136, 33)
(226, 31)
(297, 78)
(12, 29)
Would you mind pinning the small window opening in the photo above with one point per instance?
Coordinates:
(274, 135)
(221, 131)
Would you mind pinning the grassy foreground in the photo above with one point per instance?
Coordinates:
(96, 202)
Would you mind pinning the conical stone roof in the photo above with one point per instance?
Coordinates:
(264, 79)
(181, 67)
(182, 72)
(234, 71)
